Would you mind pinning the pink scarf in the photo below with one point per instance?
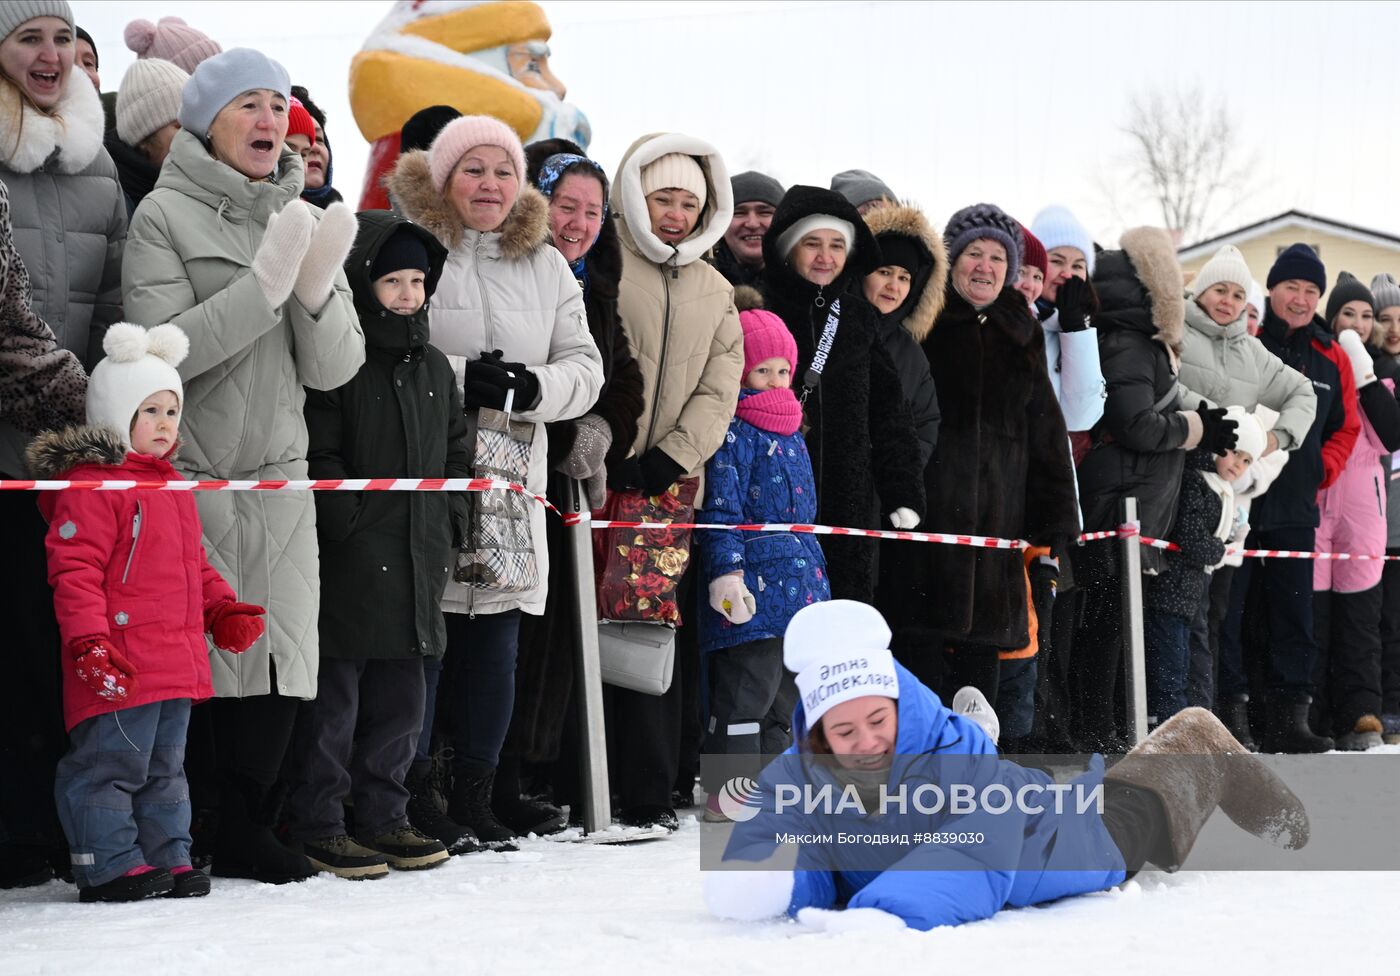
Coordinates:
(776, 411)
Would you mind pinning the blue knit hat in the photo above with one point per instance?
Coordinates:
(1057, 227)
(985, 220)
(1298, 262)
(222, 78)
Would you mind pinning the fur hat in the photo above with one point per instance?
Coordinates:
(138, 363)
(1385, 290)
(148, 99)
(13, 13)
(1250, 436)
(170, 39)
(467, 132)
(1228, 265)
(1348, 289)
(222, 78)
(839, 650)
(1298, 262)
(985, 220)
(766, 337)
(1057, 227)
(674, 170)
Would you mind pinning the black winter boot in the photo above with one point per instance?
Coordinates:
(245, 846)
(427, 811)
(1234, 712)
(1288, 730)
(470, 805)
(522, 814)
(131, 887)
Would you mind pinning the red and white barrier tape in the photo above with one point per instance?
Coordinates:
(1126, 531)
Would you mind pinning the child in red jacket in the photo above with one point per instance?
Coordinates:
(134, 595)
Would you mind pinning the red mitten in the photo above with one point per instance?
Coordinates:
(103, 668)
(235, 626)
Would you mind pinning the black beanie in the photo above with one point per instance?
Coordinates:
(424, 125)
(85, 36)
(902, 250)
(1298, 262)
(1348, 289)
(402, 250)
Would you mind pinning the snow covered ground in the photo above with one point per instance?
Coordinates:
(579, 910)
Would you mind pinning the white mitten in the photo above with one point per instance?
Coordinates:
(279, 254)
(330, 246)
(748, 896)
(731, 598)
(850, 920)
(1362, 367)
(904, 519)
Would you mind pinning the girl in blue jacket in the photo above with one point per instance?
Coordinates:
(869, 730)
(757, 580)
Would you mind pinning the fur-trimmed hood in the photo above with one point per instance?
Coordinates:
(56, 452)
(73, 131)
(525, 229)
(928, 290)
(1140, 287)
(629, 203)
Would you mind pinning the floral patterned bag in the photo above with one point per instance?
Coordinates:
(638, 570)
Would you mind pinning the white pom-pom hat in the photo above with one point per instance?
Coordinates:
(839, 650)
(138, 363)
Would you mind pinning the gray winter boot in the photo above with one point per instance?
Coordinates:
(1193, 764)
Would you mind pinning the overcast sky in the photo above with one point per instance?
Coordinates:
(951, 104)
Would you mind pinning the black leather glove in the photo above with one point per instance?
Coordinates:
(625, 474)
(659, 472)
(1076, 303)
(1218, 435)
(487, 380)
(524, 382)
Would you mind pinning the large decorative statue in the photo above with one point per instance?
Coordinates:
(481, 58)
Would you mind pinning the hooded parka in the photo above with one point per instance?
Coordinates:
(861, 433)
(678, 312)
(67, 212)
(385, 555)
(188, 261)
(508, 289)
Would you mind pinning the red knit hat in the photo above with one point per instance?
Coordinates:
(1035, 252)
(299, 120)
(766, 337)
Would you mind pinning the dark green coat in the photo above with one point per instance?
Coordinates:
(385, 556)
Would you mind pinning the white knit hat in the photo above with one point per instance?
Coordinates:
(1250, 436)
(1057, 227)
(812, 222)
(14, 13)
(1255, 296)
(138, 364)
(674, 170)
(839, 650)
(1227, 264)
(148, 99)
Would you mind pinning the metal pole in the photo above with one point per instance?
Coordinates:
(593, 743)
(1134, 650)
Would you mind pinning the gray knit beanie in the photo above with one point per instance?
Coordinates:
(985, 220)
(755, 187)
(1386, 290)
(222, 78)
(148, 99)
(859, 187)
(13, 13)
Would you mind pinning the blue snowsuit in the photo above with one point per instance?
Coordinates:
(1026, 858)
(757, 476)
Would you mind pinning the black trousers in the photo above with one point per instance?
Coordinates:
(1347, 671)
(1205, 639)
(1052, 730)
(945, 666)
(1097, 668)
(1390, 636)
(1278, 619)
(479, 693)
(357, 739)
(251, 735)
(751, 700)
(32, 739)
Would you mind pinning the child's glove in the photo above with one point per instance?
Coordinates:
(904, 519)
(325, 255)
(731, 599)
(1362, 366)
(103, 668)
(281, 250)
(234, 626)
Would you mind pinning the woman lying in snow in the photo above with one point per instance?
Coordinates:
(1155, 800)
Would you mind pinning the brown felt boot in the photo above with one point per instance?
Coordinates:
(1193, 764)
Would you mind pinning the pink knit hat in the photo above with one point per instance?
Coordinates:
(464, 133)
(171, 39)
(766, 337)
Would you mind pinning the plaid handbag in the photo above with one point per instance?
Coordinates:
(497, 553)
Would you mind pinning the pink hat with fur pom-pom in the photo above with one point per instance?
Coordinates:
(170, 39)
